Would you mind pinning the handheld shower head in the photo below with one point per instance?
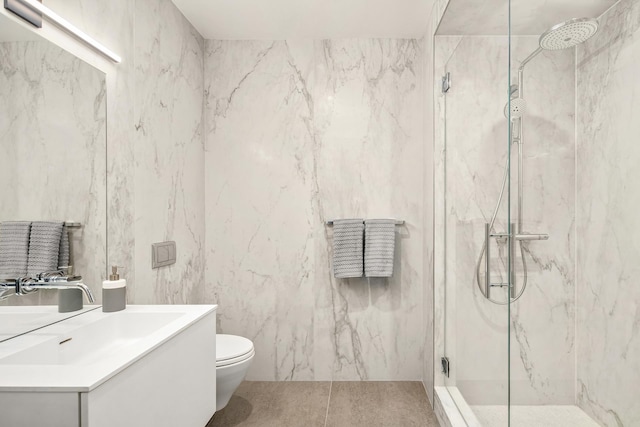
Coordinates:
(518, 108)
(568, 34)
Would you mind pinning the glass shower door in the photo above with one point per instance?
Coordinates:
(473, 222)
(535, 251)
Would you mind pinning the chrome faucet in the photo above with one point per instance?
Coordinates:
(49, 280)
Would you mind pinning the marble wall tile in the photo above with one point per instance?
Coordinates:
(154, 104)
(53, 129)
(138, 91)
(298, 133)
(469, 174)
(169, 164)
(112, 23)
(608, 297)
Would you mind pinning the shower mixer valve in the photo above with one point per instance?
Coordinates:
(512, 238)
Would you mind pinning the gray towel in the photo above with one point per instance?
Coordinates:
(348, 237)
(64, 256)
(44, 247)
(14, 249)
(379, 247)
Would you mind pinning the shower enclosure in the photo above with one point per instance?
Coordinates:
(536, 295)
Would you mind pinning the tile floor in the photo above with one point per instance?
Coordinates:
(324, 404)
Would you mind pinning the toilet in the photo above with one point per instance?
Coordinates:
(233, 358)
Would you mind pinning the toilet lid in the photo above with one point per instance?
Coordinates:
(231, 347)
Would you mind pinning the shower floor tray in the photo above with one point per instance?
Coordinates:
(533, 415)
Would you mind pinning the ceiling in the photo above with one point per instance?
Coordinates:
(308, 19)
(528, 17)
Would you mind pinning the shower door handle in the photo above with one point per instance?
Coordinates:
(512, 265)
(487, 260)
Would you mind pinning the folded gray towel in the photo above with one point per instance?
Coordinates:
(64, 256)
(14, 249)
(44, 246)
(348, 237)
(379, 247)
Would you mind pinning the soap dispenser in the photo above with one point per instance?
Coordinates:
(114, 292)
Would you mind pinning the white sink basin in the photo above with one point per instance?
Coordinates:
(92, 342)
(17, 320)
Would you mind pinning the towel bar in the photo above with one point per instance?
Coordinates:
(398, 222)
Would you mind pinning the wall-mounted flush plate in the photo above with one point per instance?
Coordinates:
(25, 12)
(163, 254)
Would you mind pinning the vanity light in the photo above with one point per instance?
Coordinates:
(69, 27)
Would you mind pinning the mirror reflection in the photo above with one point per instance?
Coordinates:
(52, 181)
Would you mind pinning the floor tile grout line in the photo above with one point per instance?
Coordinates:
(326, 414)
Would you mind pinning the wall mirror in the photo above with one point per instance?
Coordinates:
(52, 172)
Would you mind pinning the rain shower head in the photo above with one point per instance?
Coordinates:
(564, 35)
(561, 36)
(568, 34)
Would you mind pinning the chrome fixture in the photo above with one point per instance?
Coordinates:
(446, 82)
(49, 280)
(562, 36)
(569, 33)
(398, 222)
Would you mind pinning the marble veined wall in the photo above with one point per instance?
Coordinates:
(298, 133)
(53, 144)
(169, 153)
(471, 150)
(608, 248)
(155, 184)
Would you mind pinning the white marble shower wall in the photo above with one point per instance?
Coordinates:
(468, 181)
(299, 132)
(608, 155)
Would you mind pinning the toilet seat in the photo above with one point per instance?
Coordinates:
(231, 349)
(228, 362)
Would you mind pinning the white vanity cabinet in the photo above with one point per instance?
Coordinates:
(146, 365)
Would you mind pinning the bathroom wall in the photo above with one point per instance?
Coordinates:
(154, 103)
(608, 296)
(471, 149)
(112, 23)
(53, 138)
(351, 112)
(298, 133)
(169, 150)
